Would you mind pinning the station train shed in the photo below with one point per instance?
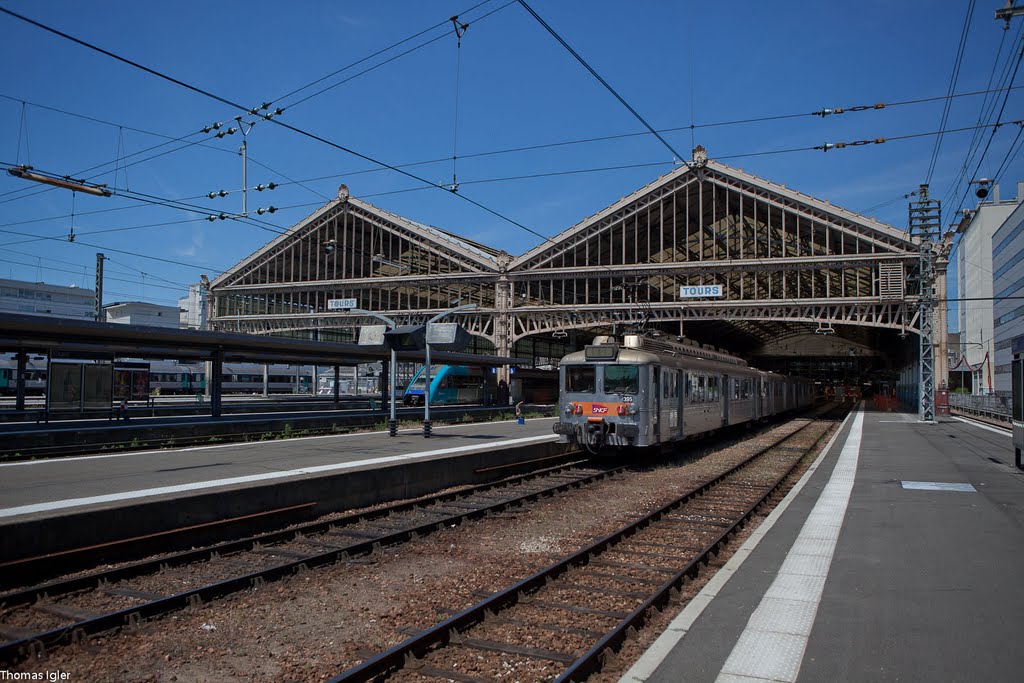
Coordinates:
(804, 286)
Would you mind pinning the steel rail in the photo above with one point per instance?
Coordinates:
(35, 645)
(592, 661)
(447, 631)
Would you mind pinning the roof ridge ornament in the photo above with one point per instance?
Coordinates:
(700, 156)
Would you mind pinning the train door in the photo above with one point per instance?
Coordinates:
(669, 392)
(726, 397)
(656, 405)
(677, 400)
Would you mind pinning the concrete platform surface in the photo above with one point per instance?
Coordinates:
(897, 557)
(42, 487)
(158, 501)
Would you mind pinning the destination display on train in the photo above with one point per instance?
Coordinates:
(699, 291)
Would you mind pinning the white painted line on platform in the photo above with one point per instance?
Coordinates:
(937, 486)
(267, 476)
(1007, 432)
(767, 648)
(645, 667)
(244, 444)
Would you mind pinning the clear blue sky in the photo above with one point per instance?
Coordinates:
(518, 87)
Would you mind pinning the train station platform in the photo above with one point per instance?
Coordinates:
(51, 505)
(897, 557)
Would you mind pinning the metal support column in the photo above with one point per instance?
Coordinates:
(504, 303)
(19, 400)
(98, 305)
(927, 407)
(925, 219)
(214, 382)
(337, 385)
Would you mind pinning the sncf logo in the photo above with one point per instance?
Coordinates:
(598, 410)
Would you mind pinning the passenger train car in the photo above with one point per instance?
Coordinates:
(138, 379)
(452, 384)
(648, 393)
(449, 384)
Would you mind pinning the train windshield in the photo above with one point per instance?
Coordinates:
(421, 379)
(580, 379)
(621, 379)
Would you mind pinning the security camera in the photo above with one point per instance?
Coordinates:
(983, 187)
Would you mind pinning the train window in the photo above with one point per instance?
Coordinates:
(700, 388)
(712, 388)
(580, 379)
(689, 386)
(621, 379)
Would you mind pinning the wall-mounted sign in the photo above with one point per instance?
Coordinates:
(698, 291)
(341, 304)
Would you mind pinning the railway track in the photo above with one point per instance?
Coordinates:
(68, 610)
(604, 590)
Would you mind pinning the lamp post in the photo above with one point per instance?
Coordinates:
(392, 422)
(426, 367)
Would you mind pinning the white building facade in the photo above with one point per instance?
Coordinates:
(975, 279)
(1008, 286)
(140, 313)
(39, 298)
(193, 308)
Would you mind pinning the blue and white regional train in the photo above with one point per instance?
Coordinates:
(648, 392)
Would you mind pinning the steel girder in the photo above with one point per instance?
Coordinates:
(727, 212)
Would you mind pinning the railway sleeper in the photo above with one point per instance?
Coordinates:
(132, 593)
(642, 553)
(281, 552)
(626, 578)
(510, 649)
(8, 632)
(609, 614)
(65, 611)
(604, 591)
(627, 565)
(446, 675)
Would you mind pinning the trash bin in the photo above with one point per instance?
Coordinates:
(942, 401)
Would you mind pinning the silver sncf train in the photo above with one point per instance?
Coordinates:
(648, 392)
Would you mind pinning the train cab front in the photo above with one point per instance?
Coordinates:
(599, 401)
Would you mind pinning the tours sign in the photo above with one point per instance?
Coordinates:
(701, 292)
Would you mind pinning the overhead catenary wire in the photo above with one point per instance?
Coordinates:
(603, 82)
(434, 185)
(460, 31)
(998, 123)
(378, 53)
(97, 120)
(981, 114)
(276, 121)
(953, 78)
(546, 174)
(819, 113)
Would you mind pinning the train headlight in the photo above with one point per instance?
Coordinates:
(621, 410)
(579, 409)
(569, 408)
(632, 409)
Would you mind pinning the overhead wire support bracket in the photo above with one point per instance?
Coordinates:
(26, 172)
(460, 30)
